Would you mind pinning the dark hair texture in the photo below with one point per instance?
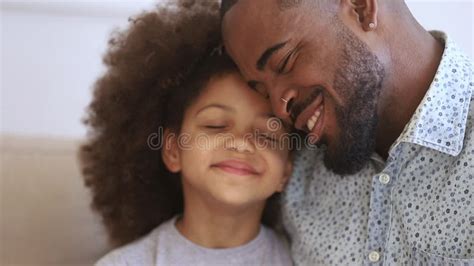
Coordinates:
(154, 71)
(226, 5)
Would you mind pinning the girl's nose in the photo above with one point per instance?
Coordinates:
(241, 143)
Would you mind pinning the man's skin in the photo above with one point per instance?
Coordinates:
(371, 60)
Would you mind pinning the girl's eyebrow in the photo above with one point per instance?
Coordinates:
(216, 105)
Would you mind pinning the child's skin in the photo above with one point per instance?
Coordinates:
(226, 184)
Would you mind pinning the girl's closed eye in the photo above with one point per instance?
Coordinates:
(219, 126)
(214, 118)
(214, 125)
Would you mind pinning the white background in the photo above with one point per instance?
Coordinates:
(51, 55)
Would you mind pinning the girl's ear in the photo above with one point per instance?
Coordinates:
(170, 151)
(286, 175)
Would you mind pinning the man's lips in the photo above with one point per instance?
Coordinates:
(236, 167)
(311, 119)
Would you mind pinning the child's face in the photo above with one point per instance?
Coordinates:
(221, 159)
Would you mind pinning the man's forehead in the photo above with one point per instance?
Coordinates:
(250, 27)
(251, 11)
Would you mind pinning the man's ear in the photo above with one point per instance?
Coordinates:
(366, 12)
(286, 174)
(170, 151)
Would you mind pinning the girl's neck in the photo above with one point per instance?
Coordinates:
(219, 227)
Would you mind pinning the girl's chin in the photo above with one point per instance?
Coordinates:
(234, 201)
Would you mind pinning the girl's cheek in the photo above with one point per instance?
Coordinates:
(281, 152)
(276, 156)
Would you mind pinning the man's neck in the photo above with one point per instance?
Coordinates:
(218, 226)
(415, 57)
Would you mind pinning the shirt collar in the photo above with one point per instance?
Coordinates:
(439, 122)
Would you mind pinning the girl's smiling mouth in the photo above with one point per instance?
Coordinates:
(236, 167)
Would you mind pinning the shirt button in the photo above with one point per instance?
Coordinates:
(384, 179)
(374, 256)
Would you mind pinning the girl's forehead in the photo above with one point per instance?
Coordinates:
(231, 90)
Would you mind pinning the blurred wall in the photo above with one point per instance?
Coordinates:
(51, 54)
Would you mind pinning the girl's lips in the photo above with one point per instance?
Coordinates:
(236, 167)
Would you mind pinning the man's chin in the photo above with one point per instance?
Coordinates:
(342, 164)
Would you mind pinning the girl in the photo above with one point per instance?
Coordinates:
(181, 161)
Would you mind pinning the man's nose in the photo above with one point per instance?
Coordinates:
(282, 104)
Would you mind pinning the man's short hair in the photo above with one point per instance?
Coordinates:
(283, 4)
(226, 5)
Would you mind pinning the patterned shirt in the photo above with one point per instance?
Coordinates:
(415, 208)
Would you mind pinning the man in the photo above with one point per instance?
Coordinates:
(390, 103)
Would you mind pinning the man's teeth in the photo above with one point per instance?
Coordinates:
(313, 120)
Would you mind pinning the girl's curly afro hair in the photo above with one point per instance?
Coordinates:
(154, 70)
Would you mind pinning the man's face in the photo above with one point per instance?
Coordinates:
(318, 75)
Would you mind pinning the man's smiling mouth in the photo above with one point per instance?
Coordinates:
(311, 118)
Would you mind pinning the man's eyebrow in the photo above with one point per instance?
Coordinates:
(262, 61)
(216, 105)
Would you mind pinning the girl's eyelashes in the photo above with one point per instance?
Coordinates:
(215, 126)
(214, 123)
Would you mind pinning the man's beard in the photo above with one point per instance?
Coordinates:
(359, 76)
(358, 79)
